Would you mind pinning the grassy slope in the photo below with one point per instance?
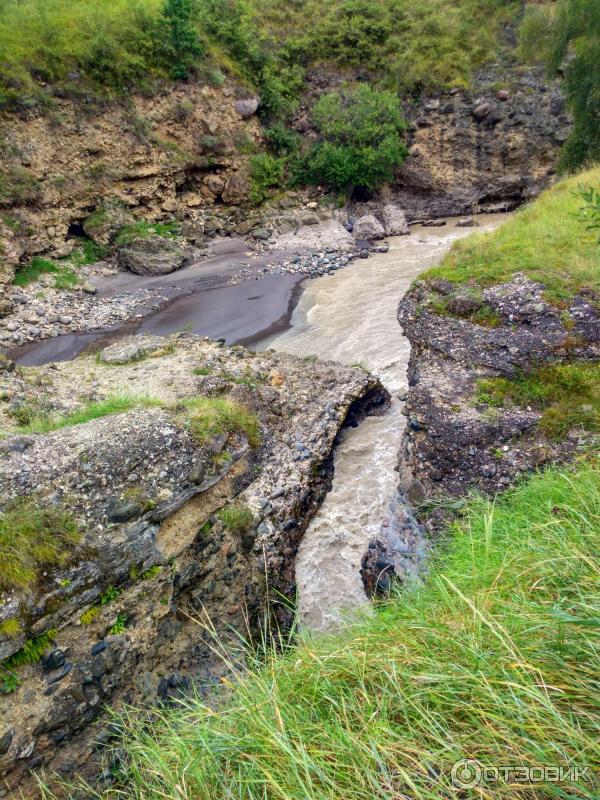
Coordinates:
(84, 45)
(495, 658)
(545, 240)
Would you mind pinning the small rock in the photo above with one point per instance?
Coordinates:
(463, 305)
(247, 107)
(481, 111)
(118, 510)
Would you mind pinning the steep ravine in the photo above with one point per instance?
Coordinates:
(350, 317)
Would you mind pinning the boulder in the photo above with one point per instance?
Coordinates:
(463, 304)
(394, 221)
(155, 255)
(134, 349)
(368, 227)
(247, 107)
(482, 110)
(237, 189)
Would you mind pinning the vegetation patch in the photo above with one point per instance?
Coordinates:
(64, 276)
(32, 420)
(568, 395)
(546, 240)
(34, 537)
(236, 517)
(143, 229)
(493, 658)
(31, 652)
(208, 417)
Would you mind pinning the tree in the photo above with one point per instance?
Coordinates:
(361, 140)
(184, 45)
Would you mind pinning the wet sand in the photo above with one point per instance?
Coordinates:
(199, 299)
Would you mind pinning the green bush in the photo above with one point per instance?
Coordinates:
(266, 173)
(361, 143)
(183, 39)
(236, 517)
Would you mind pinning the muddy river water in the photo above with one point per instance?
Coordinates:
(350, 316)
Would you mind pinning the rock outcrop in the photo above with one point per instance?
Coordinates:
(170, 155)
(455, 440)
(188, 505)
(482, 149)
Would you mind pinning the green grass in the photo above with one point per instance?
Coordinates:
(495, 657)
(212, 416)
(33, 536)
(64, 277)
(568, 394)
(143, 229)
(33, 420)
(547, 240)
(236, 517)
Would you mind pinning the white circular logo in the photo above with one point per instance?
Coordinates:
(466, 774)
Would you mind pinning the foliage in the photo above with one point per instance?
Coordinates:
(212, 416)
(33, 537)
(142, 229)
(237, 517)
(119, 624)
(87, 252)
(542, 240)
(266, 173)
(183, 39)
(10, 628)
(568, 394)
(361, 142)
(590, 213)
(31, 652)
(64, 277)
(494, 657)
(568, 39)
(36, 421)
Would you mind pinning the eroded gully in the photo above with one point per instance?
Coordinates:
(350, 316)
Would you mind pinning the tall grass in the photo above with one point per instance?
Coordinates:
(546, 240)
(496, 658)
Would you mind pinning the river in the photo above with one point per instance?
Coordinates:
(350, 316)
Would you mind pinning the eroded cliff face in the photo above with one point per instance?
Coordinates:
(455, 439)
(159, 567)
(151, 157)
(486, 149)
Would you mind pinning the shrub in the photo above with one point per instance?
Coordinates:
(361, 139)
(32, 537)
(237, 517)
(183, 39)
(590, 213)
(266, 173)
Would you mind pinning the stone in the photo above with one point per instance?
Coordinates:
(6, 740)
(434, 223)
(261, 234)
(118, 510)
(247, 107)
(89, 288)
(503, 95)
(237, 189)
(489, 470)
(463, 305)
(467, 222)
(441, 285)
(394, 221)
(155, 255)
(133, 349)
(54, 659)
(104, 224)
(481, 111)
(368, 228)
(216, 184)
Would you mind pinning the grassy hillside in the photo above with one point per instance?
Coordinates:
(548, 240)
(108, 47)
(495, 658)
